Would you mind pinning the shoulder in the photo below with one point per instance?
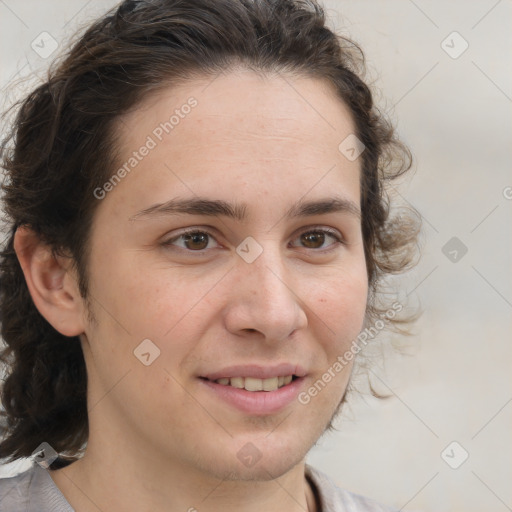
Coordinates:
(14, 491)
(335, 499)
(32, 491)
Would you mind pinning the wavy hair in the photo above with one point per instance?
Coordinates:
(62, 146)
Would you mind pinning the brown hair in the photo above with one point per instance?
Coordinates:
(62, 147)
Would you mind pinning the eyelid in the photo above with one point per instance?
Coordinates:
(211, 233)
(325, 229)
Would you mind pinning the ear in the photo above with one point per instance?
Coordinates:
(52, 283)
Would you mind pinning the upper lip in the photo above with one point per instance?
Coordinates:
(257, 371)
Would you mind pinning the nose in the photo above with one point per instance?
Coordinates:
(266, 298)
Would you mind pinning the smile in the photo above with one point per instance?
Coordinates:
(253, 384)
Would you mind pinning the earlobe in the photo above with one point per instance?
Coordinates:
(51, 282)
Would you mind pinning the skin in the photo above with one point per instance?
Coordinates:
(159, 439)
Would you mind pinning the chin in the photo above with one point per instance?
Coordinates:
(258, 458)
(262, 471)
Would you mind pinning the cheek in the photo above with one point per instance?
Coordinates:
(341, 305)
(343, 296)
(145, 302)
(168, 308)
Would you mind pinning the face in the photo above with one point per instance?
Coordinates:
(206, 249)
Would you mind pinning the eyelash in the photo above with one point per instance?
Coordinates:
(195, 231)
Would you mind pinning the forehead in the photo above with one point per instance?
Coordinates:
(247, 130)
(270, 95)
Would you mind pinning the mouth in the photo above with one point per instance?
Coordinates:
(255, 384)
(256, 389)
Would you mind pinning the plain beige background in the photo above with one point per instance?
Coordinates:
(451, 95)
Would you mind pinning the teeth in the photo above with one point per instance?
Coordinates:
(237, 382)
(268, 384)
(252, 384)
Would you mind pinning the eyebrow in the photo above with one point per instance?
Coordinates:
(237, 211)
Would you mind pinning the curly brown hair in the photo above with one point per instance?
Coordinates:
(63, 146)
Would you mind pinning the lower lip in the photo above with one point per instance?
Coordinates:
(257, 402)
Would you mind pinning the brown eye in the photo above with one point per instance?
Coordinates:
(316, 240)
(313, 240)
(196, 241)
(192, 241)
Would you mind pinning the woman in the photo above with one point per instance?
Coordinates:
(198, 226)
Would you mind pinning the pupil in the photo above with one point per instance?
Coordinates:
(314, 238)
(197, 238)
